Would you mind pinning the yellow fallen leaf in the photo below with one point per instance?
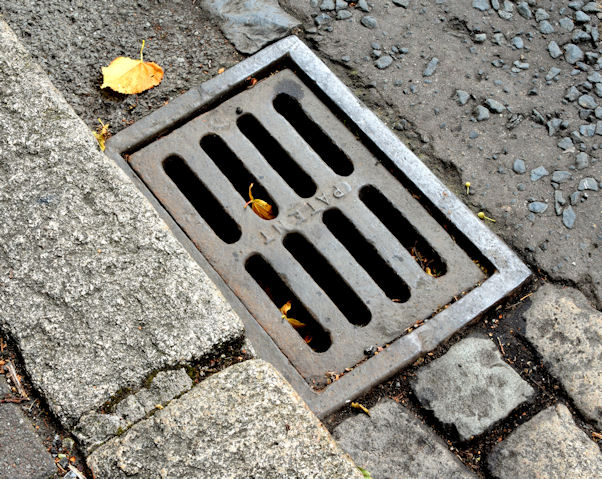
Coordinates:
(102, 134)
(260, 207)
(129, 76)
(357, 405)
(294, 322)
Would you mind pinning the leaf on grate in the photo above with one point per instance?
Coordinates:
(129, 76)
(359, 406)
(260, 207)
(101, 134)
(294, 322)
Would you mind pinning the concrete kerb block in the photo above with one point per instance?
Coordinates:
(243, 422)
(95, 290)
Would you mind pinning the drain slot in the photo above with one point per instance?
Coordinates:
(276, 156)
(234, 169)
(318, 267)
(426, 257)
(277, 290)
(313, 135)
(366, 255)
(206, 204)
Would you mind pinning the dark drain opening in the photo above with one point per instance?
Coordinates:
(402, 229)
(276, 156)
(207, 205)
(234, 169)
(313, 135)
(277, 290)
(366, 255)
(341, 294)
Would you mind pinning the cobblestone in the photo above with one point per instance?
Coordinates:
(550, 445)
(393, 443)
(470, 387)
(567, 333)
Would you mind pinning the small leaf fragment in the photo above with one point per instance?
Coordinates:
(294, 322)
(260, 207)
(129, 76)
(359, 406)
(101, 134)
(365, 473)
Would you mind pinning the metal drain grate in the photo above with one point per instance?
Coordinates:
(372, 251)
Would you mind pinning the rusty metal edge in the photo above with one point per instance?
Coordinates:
(511, 271)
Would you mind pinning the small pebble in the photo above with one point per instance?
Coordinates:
(538, 173)
(588, 184)
(517, 42)
(519, 166)
(572, 53)
(554, 49)
(538, 207)
(494, 105)
(383, 62)
(481, 113)
(560, 176)
(430, 67)
(582, 161)
(462, 97)
(368, 22)
(568, 217)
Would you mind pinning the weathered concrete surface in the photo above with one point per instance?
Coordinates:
(393, 443)
(251, 24)
(567, 333)
(21, 452)
(478, 53)
(94, 288)
(548, 446)
(470, 387)
(95, 428)
(244, 422)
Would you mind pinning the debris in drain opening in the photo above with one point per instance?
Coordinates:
(129, 76)
(294, 322)
(260, 207)
(362, 408)
(102, 134)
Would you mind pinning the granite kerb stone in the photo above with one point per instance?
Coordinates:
(95, 290)
(243, 422)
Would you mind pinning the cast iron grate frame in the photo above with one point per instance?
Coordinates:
(507, 271)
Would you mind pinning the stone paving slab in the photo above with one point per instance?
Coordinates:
(470, 387)
(393, 443)
(244, 422)
(94, 288)
(549, 446)
(567, 333)
(21, 452)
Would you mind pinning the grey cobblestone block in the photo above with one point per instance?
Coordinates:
(549, 446)
(393, 443)
(470, 387)
(567, 333)
(95, 290)
(244, 422)
(22, 454)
